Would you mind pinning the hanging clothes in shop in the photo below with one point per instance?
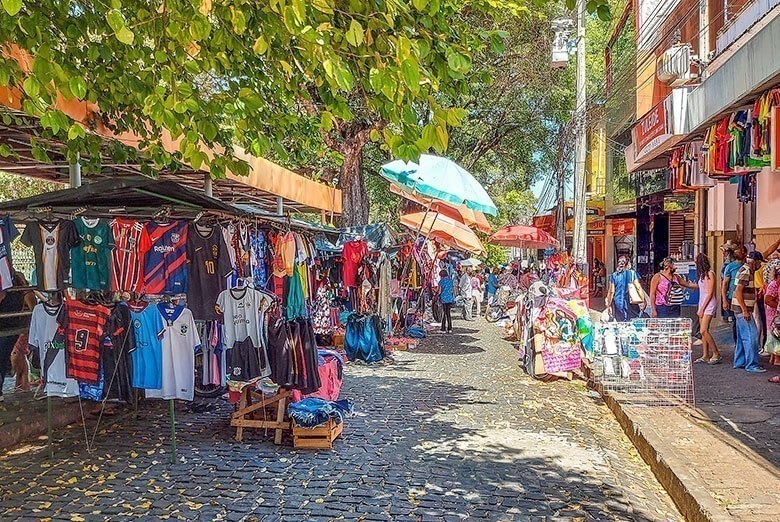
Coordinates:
(51, 242)
(746, 188)
(116, 361)
(363, 338)
(243, 311)
(257, 244)
(296, 302)
(8, 233)
(293, 355)
(147, 355)
(352, 255)
(209, 270)
(164, 250)
(179, 341)
(91, 258)
(51, 350)
(82, 327)
(126, 261)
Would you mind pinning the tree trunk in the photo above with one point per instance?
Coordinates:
(355, 203)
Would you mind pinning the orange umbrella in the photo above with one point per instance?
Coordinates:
(444, 229)
(523, 237)
(462, 213)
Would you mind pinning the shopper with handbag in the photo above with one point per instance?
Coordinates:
(625, 296)
(667, 291)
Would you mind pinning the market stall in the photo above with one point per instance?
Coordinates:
(148, 287)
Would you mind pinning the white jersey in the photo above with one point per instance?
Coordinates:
(43, 327)
(179, 342)
(243, 310)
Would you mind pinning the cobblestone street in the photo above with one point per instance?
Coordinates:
(452, 431)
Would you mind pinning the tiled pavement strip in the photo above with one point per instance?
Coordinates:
(452, 431)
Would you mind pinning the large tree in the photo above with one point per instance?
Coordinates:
(250, 74)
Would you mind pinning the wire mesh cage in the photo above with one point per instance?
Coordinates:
(646, 361)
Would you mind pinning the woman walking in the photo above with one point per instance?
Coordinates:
(447, 298)
(705, 279)
(667, 291)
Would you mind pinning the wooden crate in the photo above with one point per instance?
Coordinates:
(320, 437)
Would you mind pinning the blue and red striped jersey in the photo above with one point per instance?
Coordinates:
(164, 250)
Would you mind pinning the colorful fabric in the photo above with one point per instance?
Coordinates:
(82, 326)
(209, 268)
(126, 266)
(352, 254)
(91, 258)
(164, 249)
(51, 242)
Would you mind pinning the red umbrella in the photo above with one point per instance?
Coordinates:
(523, 237)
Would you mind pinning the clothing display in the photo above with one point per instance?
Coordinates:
(353, 254)
(91, 258)
(313, 411)
(8, 233)
(43, 330)
(147, 355)
(179, 341)
(51, 242)
(116, 362)
(209, 269)
(164, 250)
(82, 326)
(363, 338)
(243, 310)
(126, 261)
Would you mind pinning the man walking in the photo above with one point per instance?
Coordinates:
(464, 286)
(746, 349)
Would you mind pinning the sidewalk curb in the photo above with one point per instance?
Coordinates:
(62, 414)
(694, 502)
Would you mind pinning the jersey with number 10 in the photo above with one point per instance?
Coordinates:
(164, 250)
(209, 267)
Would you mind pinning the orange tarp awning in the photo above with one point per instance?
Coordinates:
(263, 174)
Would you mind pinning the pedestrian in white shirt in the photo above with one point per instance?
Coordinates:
(464, 285)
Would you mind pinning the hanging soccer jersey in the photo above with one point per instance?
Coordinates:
(126, 273)
(43, 329)
(91, 258)
(257, 242)
(82, 326)
(51, 241)
(209, 267)
(164, 247)
(179, 342)
(147, 355)
(7, 234)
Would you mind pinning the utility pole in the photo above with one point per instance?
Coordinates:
(579, 243)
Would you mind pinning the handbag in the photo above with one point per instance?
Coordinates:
(675, 294)
(775, 328)
(635, 296)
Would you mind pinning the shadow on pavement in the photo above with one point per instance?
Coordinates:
(745, 405)
(405, 454)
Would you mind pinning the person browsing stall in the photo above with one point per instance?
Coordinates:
(447, 298)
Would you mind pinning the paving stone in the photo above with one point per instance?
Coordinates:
(452, 431)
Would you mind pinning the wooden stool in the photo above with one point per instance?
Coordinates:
(259, 412)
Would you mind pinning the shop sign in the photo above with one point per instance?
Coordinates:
(621, 227)
(651, 130)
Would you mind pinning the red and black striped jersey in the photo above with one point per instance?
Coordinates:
(126, 269)
(83, 326)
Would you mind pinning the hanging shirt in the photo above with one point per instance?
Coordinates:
(43, 329)
(243, 310)
(91, 258)
(8, 233)
(82, 326)
(353, 254)
(51, 241)
(164, 247)
(257, 246)
(147, 355)
(287, 251)
(179, 342)
(126, 269)
(209, 268)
